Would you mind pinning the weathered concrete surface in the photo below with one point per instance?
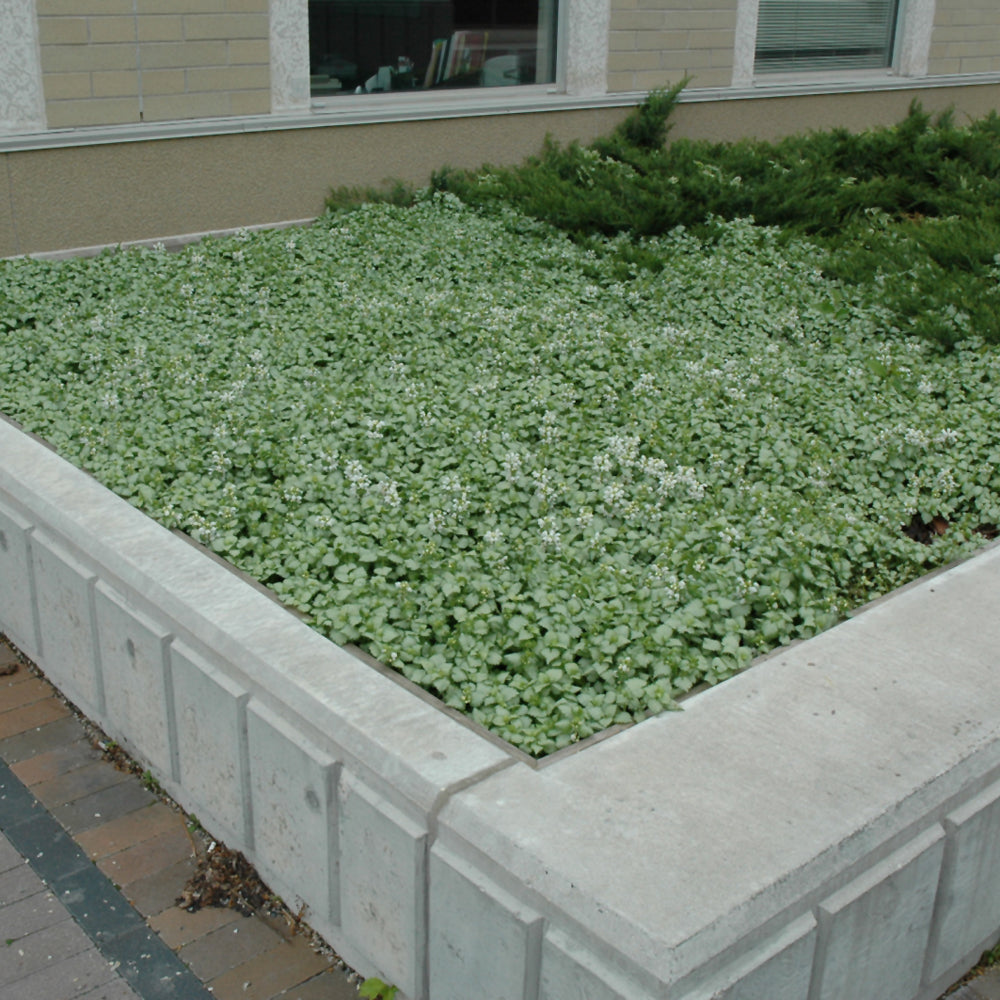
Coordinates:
(770, 797)
(273, 736)
(826, 826)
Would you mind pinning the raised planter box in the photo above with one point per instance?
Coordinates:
(825, 826)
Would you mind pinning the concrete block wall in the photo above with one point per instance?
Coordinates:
(111, 62)
(966, 37)
(824, 826)
(656, 43)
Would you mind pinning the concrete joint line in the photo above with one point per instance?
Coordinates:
(98, 669)
(246, 795)
(442, 799)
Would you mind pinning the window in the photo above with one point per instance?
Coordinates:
(372, 46)
(795, 35)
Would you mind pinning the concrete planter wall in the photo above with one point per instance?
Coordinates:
(825, 826)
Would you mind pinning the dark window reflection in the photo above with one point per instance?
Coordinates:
(373, 46)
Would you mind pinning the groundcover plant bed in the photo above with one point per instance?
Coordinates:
(554, 489)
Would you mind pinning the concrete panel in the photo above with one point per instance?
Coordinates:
(482, 941)
(213, 767)
(968, 907)
(892, 904)
(293, 801)
(68, 647)
(134, 653)
(16, 583)
(571, 972)
(779, 968)
(382, 882)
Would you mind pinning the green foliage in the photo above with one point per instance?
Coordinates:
(150, 783)
(347, 199)
(646, 127)
(556, 482)
(915, 207)
(374, 989)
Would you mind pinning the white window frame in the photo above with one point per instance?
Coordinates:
(911, 48)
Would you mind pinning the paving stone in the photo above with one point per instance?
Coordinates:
(156, 892)
(53, 763)
(38, 740)
(20, 720)
(228, 947)
(79, 783)
(71, 978)
(20, 676)
(18, 883)
(331, 984)
(95, 904)
(50, 850)
(986, 986)
(10, 857)
(29, 915)
(177, 927)
(147, 858)
(40, 950)
(265, 975)
(131, 829)
(17, 804)
(17, 694)
(151, 968)
(107, 804)
(117, 989)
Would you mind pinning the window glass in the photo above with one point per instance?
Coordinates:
(824, 34)
(373, 46)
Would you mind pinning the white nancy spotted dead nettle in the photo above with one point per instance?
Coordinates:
(554, 497)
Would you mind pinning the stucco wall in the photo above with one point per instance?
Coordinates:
(168, 59)
(966, 37)
(658, 42)
(166, 187)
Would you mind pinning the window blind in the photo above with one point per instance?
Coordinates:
(824, 34)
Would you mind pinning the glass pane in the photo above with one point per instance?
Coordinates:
(373, 46)
(824, 34)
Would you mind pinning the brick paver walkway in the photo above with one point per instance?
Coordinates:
(91, 863)
(65, 929)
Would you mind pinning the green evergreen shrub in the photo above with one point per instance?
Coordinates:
(914, 207)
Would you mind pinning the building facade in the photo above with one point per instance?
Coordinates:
(197, 115)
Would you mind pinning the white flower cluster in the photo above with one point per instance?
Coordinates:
(549, 533)
(547, 488)
(667, 582)
(670, 481)
(218, 462)
(385, 491)
(646, 385)
(512, 463)
(354, 473)
(550, 429)
(624, 448)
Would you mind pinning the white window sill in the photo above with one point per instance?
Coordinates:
(378, 108)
